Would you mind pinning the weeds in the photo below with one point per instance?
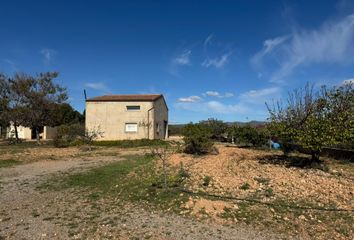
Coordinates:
(8, 163)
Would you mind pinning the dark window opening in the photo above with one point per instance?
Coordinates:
(133, 108)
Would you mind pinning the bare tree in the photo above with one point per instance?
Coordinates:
(163, 153)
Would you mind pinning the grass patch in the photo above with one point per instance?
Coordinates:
(131, 143)
(8, 163)
(134, 179)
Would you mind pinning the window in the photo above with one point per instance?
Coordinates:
(133, 108)
(131, 127)
(157, 129)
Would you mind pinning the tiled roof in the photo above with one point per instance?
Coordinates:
(126, 97)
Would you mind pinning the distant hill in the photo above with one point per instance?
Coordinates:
(252, 123)
(176, 129)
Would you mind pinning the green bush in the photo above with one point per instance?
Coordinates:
(69, 135)
(217, 127)
(249, 135)
(197, 139)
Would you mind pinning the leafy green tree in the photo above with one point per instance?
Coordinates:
(248, 135)
(315, 120)
(41, 97)
(217, 127)
(197, 138)
(67, 115)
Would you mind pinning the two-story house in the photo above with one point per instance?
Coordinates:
(128, 116)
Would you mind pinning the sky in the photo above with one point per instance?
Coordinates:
(210, 59)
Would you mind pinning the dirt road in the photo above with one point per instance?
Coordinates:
(29, 213)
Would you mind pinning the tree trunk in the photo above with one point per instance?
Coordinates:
(37, 135)
(315, 156)
(16, 133)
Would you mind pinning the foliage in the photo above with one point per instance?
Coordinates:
(197, 139)
(65, 114)
(315, 119)
(217, 127)
(68, 134)
(206, 181)
(248, 135)
(175, 130)
(30, 101)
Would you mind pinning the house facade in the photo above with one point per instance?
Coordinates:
(28, 134)
(121, 117)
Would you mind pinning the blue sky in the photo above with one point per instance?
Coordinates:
(220, 59)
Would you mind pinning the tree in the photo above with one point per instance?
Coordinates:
(197, 138)
(41, 96)
(65, 114)
(315, 119)
(4, 99)
(13, 105)
(217, 127)
(248, 134)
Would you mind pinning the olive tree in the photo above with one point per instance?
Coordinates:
(314, 120)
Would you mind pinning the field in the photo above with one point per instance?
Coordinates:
(117, 192)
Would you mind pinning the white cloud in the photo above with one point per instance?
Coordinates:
(217, 94)
(190, 99)
(249, 103)
(212, 94)
(218, 107)
(96, 86)
(261, 96)
(183, 58)
(48, 54)
(217, 62)
(331, 43)
(213, 107)
(348, 81)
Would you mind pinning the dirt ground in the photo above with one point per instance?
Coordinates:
(30, 213)
(253, 174)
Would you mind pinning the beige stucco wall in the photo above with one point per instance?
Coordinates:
(111, 117)
(161, 118)
(23, 132)
(26, 132)
(49, 132)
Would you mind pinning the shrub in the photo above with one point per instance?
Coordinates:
(217, 128)
(206, 181)
(197, 139)
(69, 134)
(249, 135)
(245, 186)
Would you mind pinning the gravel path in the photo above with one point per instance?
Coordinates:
(27, 213)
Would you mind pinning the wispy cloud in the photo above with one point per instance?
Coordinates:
(10, 63)
(191, 99)
(213, 107)
(217, 62)
(183, 58)
(251, 102)
(331, 43)
(96, 86)
(227, 95)
(260, 96)
(48, 55)
(212, 93)
(269, 46)
(217, 94)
